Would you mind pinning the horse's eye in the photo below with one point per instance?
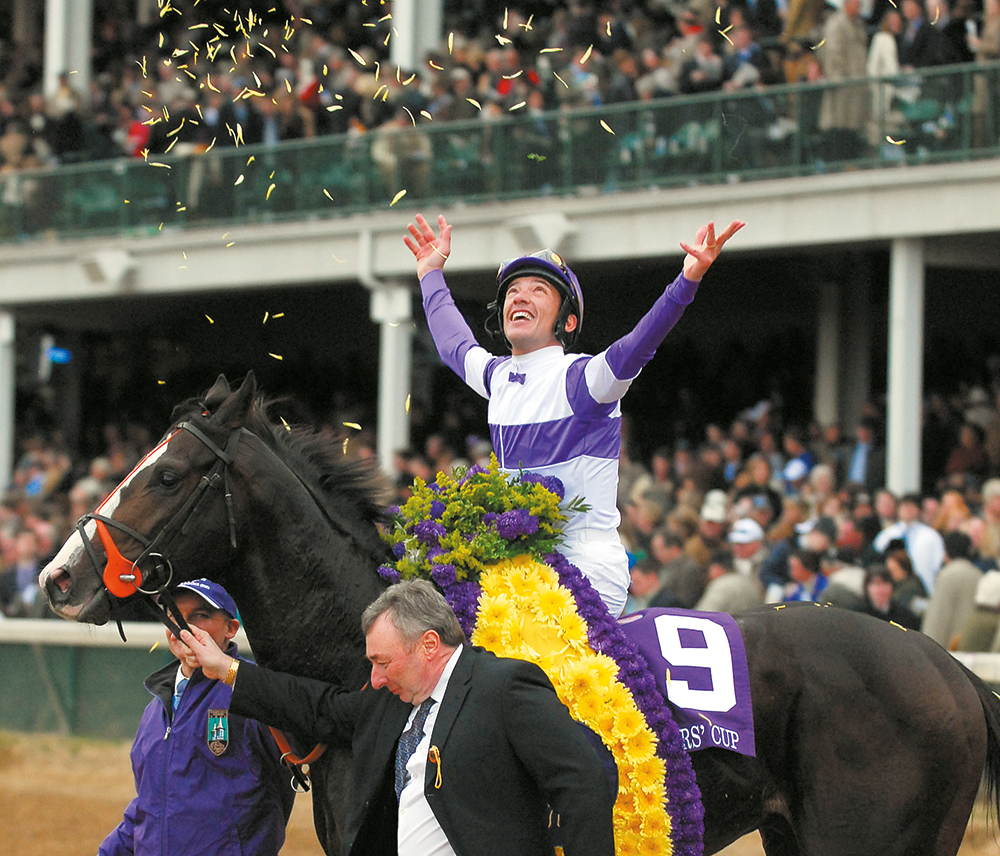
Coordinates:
(168, 478)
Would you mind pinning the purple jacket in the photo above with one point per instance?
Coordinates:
(209, 783)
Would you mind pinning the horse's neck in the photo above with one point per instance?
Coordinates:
(302, 583)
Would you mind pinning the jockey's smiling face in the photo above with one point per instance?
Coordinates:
(199, 612)
(530, 308)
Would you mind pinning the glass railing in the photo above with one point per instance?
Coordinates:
(943, 114)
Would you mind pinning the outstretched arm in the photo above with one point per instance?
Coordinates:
(451, 333)
(609, 374)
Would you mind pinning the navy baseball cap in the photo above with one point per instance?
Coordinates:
(213, 593)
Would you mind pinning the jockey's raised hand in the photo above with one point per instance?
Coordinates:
(431, 251)
(706, 249)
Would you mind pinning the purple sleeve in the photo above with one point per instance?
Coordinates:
(633, 350)
(452, 335)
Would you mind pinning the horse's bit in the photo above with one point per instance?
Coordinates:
(123, 577)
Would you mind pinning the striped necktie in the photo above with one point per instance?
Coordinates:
(408, 744)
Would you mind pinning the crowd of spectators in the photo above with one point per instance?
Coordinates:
(760, 511)
(311, 68)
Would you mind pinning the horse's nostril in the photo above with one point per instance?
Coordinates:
(62, 580)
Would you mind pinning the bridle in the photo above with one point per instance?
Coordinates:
(124, 577)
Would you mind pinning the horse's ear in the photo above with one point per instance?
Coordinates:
(233, 412)
(219, 392)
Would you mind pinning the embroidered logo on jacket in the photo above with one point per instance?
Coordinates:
(218, 731)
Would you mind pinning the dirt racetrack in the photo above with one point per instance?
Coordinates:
(60, 796)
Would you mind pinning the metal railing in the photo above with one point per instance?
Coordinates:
(941, 114)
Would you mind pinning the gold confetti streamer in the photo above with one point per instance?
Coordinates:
(517, 106)
(211, 320)
(327, 194)
(358, 58)
(474, 103)
(407, 405)
(550, 50)
(397, 197)
(563, 82)
(718, 14)
(894, 142)
(606, 127)
(344, 447)
(353, 425)
(586, 55)
(451, 43)
(276, 356)
(238, 181)
(266, 314)
(268, 194)
(814, 47)
(155, 646)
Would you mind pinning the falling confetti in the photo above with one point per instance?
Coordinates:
(894, 142)
(283, 422)
(155, 646)
(268, 194)
(326, 193)
(211, 320)
(586, 55)
(353, 425)
(407, 405)
(397, 197)
(606, 127)
(817, 47)
(238, 181)
(276, 356)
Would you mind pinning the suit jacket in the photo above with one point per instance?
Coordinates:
(508, 749)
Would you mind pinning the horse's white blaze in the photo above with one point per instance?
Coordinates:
(74, 551)
(107, 508)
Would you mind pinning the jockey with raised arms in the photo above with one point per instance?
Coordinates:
(552, 412)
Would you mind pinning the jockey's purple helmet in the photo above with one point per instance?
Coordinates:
(550, 266)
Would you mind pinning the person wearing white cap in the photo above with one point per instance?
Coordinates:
(749, 551)
(711, 528)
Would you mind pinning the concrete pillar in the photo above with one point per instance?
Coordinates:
(8, 389)
(391, 307)
(906, 366)
(416, 29)
(826, 393)
(68, 25)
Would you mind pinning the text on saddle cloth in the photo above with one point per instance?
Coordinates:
(699, 663)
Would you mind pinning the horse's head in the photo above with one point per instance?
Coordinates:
(166, 522)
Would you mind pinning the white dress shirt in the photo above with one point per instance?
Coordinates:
(419, 833)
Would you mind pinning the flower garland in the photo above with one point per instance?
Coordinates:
(489, 542)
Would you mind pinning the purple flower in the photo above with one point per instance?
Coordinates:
(437, 509)
(513, 524)
(392, 511)
(443, 575)
(388, 573)
(398, 549)
(490, 517)
(474, 470)
(429, 532)
(550, 483)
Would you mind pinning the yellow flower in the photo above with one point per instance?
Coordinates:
(589, 707)
(656, 824)
(488, 636)
(640, 745)
(647, 802)
(513, 635)
(626, 843)
(554, 601)
(648, 773)
(605, 669)
(653, 846)
(628, 721)
(578, 677)
(492, 583)
(575, 629)
(495, 609)
(619, 697)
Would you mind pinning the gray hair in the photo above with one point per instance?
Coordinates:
(414, 607)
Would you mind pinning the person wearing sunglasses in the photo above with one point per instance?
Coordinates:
(551, 412)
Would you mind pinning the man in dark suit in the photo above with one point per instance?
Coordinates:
(494, 746)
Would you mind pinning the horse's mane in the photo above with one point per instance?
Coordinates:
(351, 485)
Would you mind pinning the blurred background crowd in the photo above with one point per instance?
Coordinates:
(719, 518)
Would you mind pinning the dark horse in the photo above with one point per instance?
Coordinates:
(870, 739)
